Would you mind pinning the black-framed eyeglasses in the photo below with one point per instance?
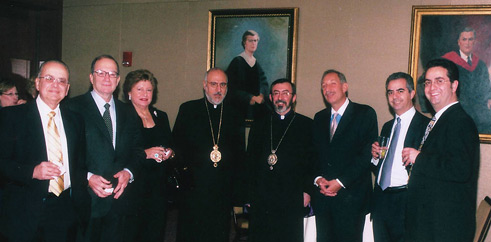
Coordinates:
(51, 79)
(111, 74)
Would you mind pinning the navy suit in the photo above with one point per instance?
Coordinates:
(26, 200)
(347, 158)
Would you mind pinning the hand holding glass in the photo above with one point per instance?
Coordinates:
(383, 143)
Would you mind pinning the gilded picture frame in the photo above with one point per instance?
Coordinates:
(438, 32)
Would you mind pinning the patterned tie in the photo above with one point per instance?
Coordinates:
(427, 132)
(107, 120)
(334, 124)
(469, 61)
(387, 165)
(56, 185)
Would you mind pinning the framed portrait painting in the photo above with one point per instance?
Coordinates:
(461, 34)
(255, 47)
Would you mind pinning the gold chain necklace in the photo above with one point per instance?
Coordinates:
(215, 155)
(273, 158)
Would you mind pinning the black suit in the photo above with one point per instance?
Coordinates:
(442, 187)
(27, 205)
(347, 158)
(389, 207)
(105, 160)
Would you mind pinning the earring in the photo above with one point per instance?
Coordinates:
(129, 97)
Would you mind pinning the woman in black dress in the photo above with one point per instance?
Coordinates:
(148, 220)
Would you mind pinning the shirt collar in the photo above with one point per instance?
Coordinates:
(408, 115)
(44, 109)
(342, 108)
(439, 113)
(101, 102)
(464, 56)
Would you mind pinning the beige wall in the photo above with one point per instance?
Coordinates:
(365, 39)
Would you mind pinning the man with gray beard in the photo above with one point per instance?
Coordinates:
(209, 142)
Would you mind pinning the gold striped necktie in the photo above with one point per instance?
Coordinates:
(56, 185)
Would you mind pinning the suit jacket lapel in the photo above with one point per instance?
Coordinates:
(120, 121)
(37, 130)
(344, 121)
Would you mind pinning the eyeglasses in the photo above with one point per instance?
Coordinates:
(438, 82)
(283, 93)
(51, 79)
(214, 84)
(10, 94)
(111, 74)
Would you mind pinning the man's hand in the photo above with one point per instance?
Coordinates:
(489, 103)
(376, 150)
(46, 171)
(99, 184)
(333, 188)
(123, 179)
(306, 199)
(409, 156)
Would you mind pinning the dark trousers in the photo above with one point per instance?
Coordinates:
(57, 222)
(388, 214)
(340, 222)
(108, 228)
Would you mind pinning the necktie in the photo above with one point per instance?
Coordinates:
(427, 131)
(107, 120)
(389, 160)
(56, 185)
(469, 61)
(334, 124)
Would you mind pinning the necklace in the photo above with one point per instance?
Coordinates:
(273, 158)
(215, 155)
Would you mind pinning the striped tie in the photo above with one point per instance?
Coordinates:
(56, 185)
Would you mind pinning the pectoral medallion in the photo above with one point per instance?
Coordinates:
(215, 156)
(272, 159)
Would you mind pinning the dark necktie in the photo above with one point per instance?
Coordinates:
(387, 165)
(469, 61)
(107, 120)
(427, 132)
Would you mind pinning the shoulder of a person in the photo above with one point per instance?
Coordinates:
(303, 118)
(322, 113)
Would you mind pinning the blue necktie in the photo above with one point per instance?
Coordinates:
(387, 165)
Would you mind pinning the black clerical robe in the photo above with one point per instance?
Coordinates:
(205, 208)
(276, 192)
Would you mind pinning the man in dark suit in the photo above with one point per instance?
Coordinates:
(405, 130)
(42, 159)
(113, 149)
(442, 185)
(343, 133)
(209, 141)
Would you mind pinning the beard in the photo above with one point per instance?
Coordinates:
(281, 108)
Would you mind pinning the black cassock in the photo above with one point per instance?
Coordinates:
(205, 208)
(276, 195)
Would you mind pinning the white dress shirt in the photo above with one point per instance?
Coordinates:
(44, 109)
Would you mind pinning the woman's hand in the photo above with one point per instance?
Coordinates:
(157, 153)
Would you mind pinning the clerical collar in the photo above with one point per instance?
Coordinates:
(282, 117)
